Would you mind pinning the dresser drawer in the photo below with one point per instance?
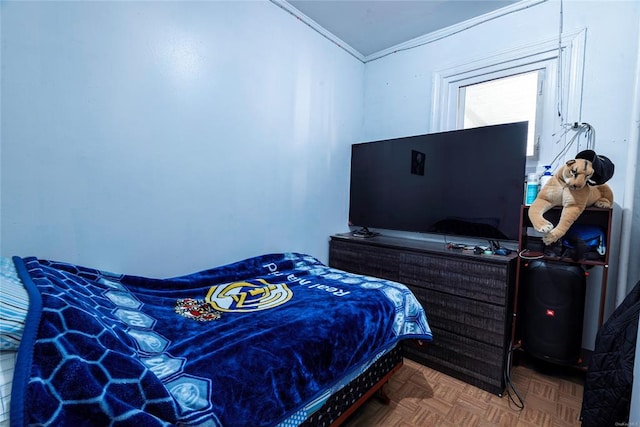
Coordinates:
(479, 320)
(461, 277)
(362, 259)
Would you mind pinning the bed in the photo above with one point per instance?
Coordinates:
(273, 340)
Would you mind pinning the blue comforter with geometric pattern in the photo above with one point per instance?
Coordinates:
(254, 343)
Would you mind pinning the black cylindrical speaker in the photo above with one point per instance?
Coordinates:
(551, 301)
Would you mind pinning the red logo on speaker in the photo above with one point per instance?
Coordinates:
(550, 312)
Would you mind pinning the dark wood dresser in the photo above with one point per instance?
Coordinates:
(468, 299)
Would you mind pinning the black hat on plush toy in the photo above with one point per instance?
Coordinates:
(602, 167)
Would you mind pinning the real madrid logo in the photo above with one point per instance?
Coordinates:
(249, 295)
(245, 296)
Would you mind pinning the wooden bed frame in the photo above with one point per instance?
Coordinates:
(344, 403)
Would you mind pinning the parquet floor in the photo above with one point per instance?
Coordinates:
(423, 397)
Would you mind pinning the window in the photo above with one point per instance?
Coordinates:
(541, 83)
(508, 99)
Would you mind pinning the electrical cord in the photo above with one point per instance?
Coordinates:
(522, 255)
(590, 135)
(515, 398)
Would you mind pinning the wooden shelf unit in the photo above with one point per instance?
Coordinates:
(530, 246)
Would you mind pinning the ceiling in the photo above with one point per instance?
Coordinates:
(370, 26)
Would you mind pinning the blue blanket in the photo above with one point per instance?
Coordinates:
(246, 344)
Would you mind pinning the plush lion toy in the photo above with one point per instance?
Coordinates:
(578, 183)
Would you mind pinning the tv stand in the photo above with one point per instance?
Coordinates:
(364, 232)
(467, 298)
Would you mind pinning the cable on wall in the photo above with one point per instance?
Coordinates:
(579, 128)
(284, 5)
(559, 85)
(449, 33)
(418, 42)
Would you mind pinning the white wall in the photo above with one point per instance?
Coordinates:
(159, 138)
(399, 89)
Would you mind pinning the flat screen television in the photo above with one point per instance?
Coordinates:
(466, 182)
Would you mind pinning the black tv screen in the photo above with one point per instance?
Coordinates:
(466, 182)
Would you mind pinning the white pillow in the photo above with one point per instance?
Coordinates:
(14, 304)
(7, 364)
